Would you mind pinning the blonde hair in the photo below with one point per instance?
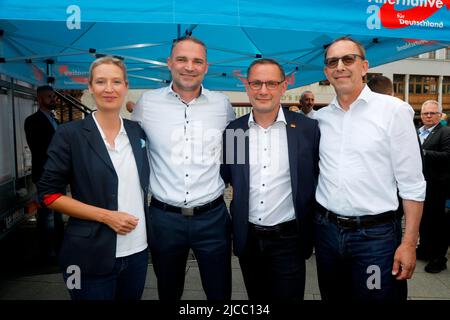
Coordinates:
(108, 60)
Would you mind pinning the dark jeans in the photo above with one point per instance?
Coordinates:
(125, 282)
(208, 235)
(50, 227)
(273, 267)
(356, 264)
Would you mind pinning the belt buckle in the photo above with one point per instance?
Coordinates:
(344, 222)
(187, 212)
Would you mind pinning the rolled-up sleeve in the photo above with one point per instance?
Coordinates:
(57, 169)
(406, 158)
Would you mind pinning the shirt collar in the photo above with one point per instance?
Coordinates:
(365, 96)
(422, 128)
(121, 131)
(172, 93)
(280, 117)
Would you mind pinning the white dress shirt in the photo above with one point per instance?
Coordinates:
(365, 153)
(129, 194)
(185, 144)
(424, 133)
(270, 193)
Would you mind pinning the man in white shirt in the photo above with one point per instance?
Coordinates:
(273, 188)
(184, 124)
(307, 104)
(368, 147)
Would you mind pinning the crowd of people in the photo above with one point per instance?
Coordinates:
(340, 179)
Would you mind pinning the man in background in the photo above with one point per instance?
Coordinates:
(435, 140)
(381, 84)
(307, 104)
(39, 130)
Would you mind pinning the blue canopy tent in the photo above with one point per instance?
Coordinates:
(60, 38)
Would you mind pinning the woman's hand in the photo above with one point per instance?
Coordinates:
(121, 222)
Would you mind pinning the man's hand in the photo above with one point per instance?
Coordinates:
(404, 262)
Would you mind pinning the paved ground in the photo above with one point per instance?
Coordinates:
(22, 278)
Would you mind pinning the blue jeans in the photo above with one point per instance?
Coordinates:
(356, 264)
(125, 282)
(208, 235)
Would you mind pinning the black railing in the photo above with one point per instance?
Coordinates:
(71, 101)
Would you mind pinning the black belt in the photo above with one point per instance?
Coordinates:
(346, 222)
(186, 211)
(282, 229)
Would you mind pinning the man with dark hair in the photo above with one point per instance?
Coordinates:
(184, 124)
(271, 160)
(39, 130)
(368, 148)
(381, 84)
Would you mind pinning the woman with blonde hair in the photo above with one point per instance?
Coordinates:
(103, 158)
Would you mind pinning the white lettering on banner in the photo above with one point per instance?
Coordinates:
(425, 23)
(398, 17)
(411, 3)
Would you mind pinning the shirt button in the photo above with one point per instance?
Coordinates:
(262, 202)
(264, 167)
(263, 184)
(187, 175)
(187, 192)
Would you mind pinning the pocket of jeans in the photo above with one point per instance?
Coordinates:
(384, 230)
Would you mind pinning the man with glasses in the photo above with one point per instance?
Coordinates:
(435, 140)
(271, 160)
(368, 147)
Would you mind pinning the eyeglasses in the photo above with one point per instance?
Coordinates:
(430, 114)
(347, 60)
(271, 85)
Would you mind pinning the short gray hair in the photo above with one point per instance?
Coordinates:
(433, 102)
(304, 93)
